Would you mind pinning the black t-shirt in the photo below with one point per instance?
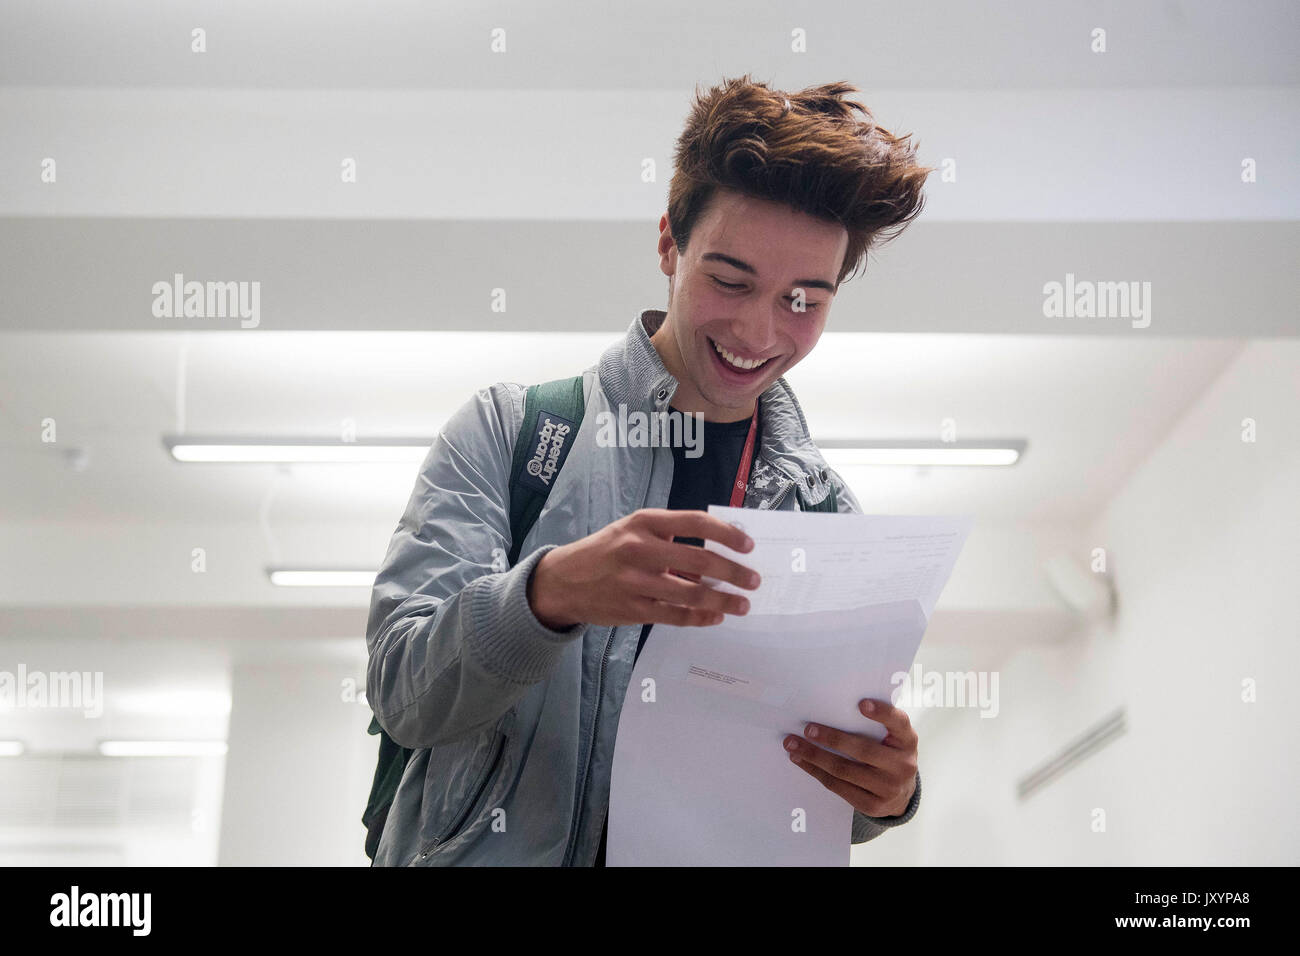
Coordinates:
(698, 483)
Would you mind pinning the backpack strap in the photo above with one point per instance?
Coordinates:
(826, 504)
(559, 405)
(388, 774)
(552, 413)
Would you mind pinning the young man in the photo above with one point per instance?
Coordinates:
(508, 684)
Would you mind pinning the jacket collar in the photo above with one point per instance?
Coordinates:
(632, 372)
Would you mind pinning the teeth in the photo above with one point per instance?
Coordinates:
(732, 360)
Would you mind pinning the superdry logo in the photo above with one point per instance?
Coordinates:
(550, 448)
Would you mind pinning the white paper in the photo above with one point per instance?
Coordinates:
(700, 777)
(821, 561)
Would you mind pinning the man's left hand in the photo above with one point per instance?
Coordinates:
(877, 778)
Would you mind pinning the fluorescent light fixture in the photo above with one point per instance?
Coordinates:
(853, 453)
(10, 748)
(320, 578)
(162, 748)
(234, 450)
(839, 453)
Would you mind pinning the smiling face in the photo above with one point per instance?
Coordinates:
(737, 286)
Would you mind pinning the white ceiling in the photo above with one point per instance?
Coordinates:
(594, 44)
(528, 155)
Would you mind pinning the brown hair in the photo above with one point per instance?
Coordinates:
(805, 149)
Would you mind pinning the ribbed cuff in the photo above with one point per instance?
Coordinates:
(863, 824)
(504, 634)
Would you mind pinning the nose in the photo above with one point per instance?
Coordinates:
(756, 328)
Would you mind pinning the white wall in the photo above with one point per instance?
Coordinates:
(298, 768)
(1202, 541)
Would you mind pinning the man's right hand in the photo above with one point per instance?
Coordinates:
(627, 573)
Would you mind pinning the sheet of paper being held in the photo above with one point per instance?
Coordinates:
(699, 776)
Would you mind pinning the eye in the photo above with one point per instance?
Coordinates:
(808, 306)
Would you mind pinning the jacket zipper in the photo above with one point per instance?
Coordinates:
(591, 746)
(455, 829)
(780, 497)
(595, 717)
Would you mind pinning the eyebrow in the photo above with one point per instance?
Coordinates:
(746, 267)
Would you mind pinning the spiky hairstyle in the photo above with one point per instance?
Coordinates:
(808, 150)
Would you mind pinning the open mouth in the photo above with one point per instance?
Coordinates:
(732, 366)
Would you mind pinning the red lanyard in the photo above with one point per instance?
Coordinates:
(742, 473)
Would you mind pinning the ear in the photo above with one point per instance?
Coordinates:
(667, 249)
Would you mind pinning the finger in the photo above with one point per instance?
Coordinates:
(859, 798)
(641, 552)
(697, 524)
(859, 747)
(688, 575)
(673, 556)
(877, 781)
(651, 611)
(895, 720)
(675, 590)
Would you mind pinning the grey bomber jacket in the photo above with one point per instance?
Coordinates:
(513, 723)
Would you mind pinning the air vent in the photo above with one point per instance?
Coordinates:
(76, 790)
